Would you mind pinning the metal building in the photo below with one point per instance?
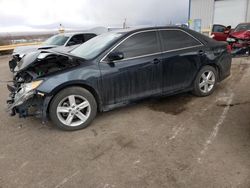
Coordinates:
(205, 13)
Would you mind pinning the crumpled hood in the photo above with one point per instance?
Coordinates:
(65, 49)
(38, 56)
(241, 34)
(28, 49)
(27, 60)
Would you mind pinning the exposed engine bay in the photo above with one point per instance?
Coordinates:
(45, 63)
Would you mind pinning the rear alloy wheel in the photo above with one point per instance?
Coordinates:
(205, 81)
(73, 108)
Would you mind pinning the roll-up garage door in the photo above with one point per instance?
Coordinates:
(230, 12)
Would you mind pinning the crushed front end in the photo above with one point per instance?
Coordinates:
(239, 46)
(239, 42)
(25, 100)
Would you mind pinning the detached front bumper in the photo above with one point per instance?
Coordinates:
(240, 47)
(33, 104)
(240, 51)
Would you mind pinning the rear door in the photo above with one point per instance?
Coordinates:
(136, 76)
(181, 59)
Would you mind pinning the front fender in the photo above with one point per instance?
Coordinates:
(80, 83)
(87, 77)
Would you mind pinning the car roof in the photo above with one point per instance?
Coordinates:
(133, 30)
(202, 38)
(70, 34)
(248, 23)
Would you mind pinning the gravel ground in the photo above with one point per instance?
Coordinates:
(179, 141)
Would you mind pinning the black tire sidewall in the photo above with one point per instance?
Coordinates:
(197, 90)
(72, 91)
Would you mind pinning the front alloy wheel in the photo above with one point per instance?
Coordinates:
(73, 108)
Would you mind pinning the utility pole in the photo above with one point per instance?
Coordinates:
(61, 29)
(189, 13)
(247, 19)
(125, 23)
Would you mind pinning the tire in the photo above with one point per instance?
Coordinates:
(205, 87)
(73, 108)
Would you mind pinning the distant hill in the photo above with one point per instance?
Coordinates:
(33, 36)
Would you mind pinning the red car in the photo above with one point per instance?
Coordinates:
(220, 32)
(239, 38)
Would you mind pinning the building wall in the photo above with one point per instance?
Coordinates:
(204, 10)
(230, 12)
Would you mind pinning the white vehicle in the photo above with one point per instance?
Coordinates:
(62, 42)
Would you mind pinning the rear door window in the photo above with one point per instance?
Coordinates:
(140, 44)
(177, 39)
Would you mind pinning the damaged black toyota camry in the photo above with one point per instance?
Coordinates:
(113, 70)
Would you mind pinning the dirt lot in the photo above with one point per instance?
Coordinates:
(180, 141)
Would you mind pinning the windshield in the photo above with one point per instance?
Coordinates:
(58, 40)
(242, 27)
(95, 46)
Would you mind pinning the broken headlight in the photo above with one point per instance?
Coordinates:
(26, 91)
(33, 85)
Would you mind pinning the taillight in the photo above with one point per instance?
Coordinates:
(229, 48)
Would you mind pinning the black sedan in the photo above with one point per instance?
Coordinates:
(115, 69)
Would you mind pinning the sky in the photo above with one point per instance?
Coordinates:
(28, 15)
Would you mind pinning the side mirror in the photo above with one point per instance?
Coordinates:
(115, 56)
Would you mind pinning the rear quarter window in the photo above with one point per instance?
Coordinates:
(176, 39)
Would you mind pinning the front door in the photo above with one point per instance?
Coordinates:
(136, 76)
(220, 32)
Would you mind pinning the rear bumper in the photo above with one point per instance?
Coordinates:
(225, 67)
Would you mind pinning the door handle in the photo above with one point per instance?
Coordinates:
(156, 61)
(201, 52)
